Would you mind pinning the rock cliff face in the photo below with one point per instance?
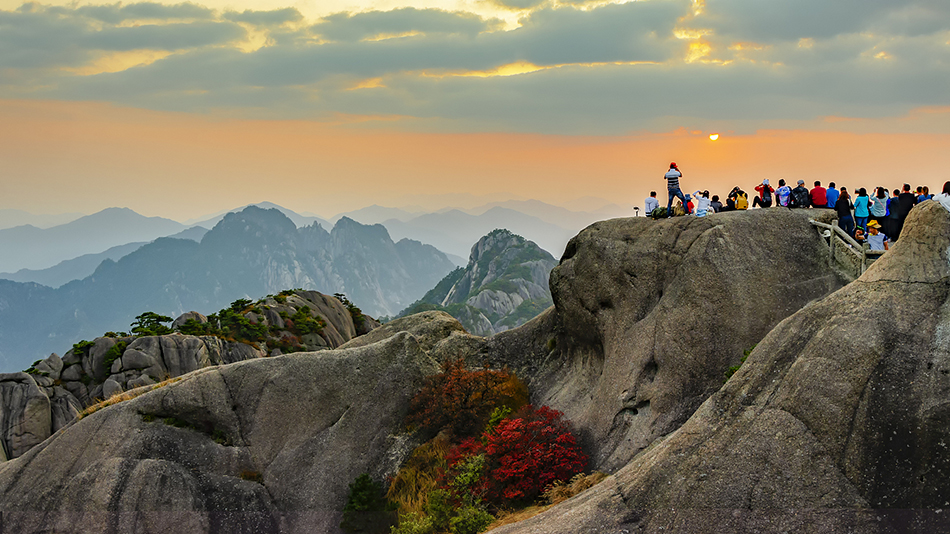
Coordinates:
(650, 314)
(266, 445)
(504, 285)
(837, 422)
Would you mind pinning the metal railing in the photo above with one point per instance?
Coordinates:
(839, 239)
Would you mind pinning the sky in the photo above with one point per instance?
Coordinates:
(182, 109)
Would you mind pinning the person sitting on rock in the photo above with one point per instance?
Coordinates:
(689, 204)
(764, 198)
(875, 238)
(819, 197)
(715, 204)
(782, 193)
(702, 204)
(831, 195)
(800, 197)
(651, 203)
(944, 197)
(742, 200)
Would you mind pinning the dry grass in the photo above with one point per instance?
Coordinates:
(419, 475)
(127, 395)
(555, 494)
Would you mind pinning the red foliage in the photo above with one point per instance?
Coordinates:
(462, 400)
(525, 454)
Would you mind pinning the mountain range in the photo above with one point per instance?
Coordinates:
(29, 247)
(249, 253)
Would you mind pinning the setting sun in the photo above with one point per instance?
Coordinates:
(713, 137)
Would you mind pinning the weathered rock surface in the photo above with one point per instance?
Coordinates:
(266, 445)
(838, 421)
(25, 417)
(437, 332)
(650, 314)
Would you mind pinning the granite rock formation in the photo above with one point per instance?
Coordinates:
(837, 422)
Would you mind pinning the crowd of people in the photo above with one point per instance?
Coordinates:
(876, 217)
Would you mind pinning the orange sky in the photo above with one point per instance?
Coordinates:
(61, 156)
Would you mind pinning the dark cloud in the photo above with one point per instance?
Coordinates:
(275, 17)
(777, 20)
(347, 27)
(117, 13)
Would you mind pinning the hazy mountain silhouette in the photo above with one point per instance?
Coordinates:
(83, 266)
(247, 254)
(29, 247)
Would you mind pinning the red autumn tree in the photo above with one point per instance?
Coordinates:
(462, 400)
(529, 451)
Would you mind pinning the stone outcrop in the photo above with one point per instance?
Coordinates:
(264, 445)
(108, 366)
(837, 422)
(650, 314)
(25, 417)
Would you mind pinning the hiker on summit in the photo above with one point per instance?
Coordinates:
(799, 197)
(673, 187)
(650, 204)
(831, 194)
(782, 193)
(819, 196)
(764, 198)
(702, 204)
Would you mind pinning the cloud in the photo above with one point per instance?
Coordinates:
(374, 24)
(40, 37)
(274, 17)
(118, 13)
(610, 68)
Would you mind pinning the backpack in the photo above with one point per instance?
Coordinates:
(742, 201)
(766, 194)
(802, 199)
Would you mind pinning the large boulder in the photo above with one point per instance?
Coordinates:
(264, 445)
(25, 414)
(838, 421)
(651, 314)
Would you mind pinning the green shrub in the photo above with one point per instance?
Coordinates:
(414, 523)
(366, 509)
(440, 510)
(471, 520)
(114, 353)
(745, 355)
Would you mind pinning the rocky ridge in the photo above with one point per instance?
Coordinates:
(37, 403)
(836, 417)
(504, 285)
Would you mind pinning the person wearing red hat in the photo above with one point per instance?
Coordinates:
(673, 187)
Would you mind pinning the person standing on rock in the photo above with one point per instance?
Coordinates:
(650, 204)
(906, 202)
(673, 187)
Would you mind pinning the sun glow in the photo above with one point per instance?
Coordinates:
(713, 137)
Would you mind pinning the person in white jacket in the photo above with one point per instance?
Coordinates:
(944, 196)
(702, 204)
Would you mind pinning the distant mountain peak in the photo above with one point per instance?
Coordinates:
(504, 285)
